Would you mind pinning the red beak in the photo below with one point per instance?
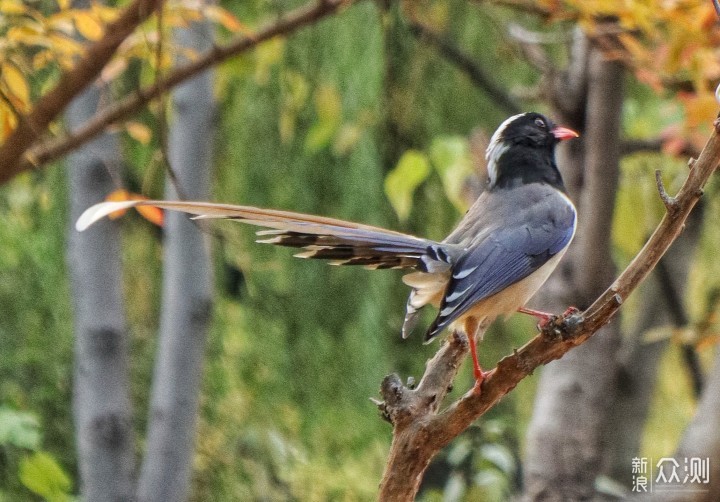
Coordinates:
(562, 133)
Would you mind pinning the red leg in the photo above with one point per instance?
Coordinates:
(471, 329)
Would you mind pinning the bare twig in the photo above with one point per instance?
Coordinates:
(54, 149)
(669, 202)
(33, 125)
(415, 443)
(650, 145)
(467, 65)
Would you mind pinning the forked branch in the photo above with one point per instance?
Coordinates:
(423, 431)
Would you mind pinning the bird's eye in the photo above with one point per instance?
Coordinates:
(540, 123)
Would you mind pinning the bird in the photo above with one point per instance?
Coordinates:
(501, 252)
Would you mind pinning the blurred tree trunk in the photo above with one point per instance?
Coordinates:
(187, 289)
(101, 396)
(639, 360)
(564, 446)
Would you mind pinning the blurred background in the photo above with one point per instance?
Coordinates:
(214, 368)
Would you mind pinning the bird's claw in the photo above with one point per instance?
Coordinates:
(479, 379)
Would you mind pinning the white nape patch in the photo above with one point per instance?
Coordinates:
(496, 148)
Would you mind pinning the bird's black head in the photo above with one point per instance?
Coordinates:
(522, 150)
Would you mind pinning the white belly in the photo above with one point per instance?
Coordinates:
(509, 299)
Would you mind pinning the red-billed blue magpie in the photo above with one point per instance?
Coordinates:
(501, 252)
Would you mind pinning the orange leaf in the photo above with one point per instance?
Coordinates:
(700, 108)
(139, 132)
(115, 196)
(227, 20)
(153, 214)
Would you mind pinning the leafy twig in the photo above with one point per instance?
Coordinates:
(23, 159)
(33, 125)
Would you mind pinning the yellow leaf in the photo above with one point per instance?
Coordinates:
(12, 7)
(400, 184)
(64, 46)
(227, 20)
(88, 25)
(139, 132)
(42, 59)
(328, 103)
(63, 4)
(16, 84)
(8, 120)
(104, 13)
(27, 34)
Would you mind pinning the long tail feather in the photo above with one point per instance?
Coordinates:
(343, 242)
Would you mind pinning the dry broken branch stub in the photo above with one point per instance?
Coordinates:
(417, 441)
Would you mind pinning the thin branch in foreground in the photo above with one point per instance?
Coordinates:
(422, 433)
(30, 127)
(56, 148)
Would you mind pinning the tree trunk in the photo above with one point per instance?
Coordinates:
(639, 361)
(565, 435)
(701, 440)
(101, 400)
(187, 291)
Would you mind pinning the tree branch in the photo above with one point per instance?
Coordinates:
(416, 441)
(466, 64)
(56, 148)
(32, 126)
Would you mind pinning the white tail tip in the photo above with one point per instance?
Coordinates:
(99, 211)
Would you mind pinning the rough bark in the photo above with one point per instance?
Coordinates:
(420, 432)
(564, 448)
(101, 396)
(186, 303)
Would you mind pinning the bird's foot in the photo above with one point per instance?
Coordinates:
(480, 376)
(543, 317)
(546, 318)
(571, 310)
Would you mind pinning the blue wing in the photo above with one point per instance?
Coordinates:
(504, 257)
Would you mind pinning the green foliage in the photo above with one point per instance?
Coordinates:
(19, 429)
(22, 460)
(352, 118)
(400, 184)
(42, 475)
